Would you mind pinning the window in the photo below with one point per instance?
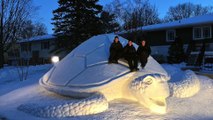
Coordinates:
(202, 32)
(45, 45)
(26, 47)
(197, 33)
(207, 32)
(170, 35)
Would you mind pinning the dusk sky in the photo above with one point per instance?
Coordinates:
(46, 7)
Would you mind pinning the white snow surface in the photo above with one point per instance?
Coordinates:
(15, 93)
(193, 21)
(39, 38)
(198, 20)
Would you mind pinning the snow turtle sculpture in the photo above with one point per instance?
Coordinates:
(85, 73)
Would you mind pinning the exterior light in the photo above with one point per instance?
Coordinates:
(55, 59)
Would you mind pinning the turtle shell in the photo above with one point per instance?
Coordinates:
(87, 67)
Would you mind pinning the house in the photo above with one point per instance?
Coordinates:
(12, 55)
(38, 50)
(195, 32)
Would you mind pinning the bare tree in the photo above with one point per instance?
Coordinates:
(30, 29)
(143, 14)
(134, 13)
(40, 29)
(186, 10)
(13, 13)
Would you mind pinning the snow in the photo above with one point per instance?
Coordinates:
(94, 104)
(86, 71)
(145, 87)
(199, 106)
(158, 88)
(198, 20)
(39, 38)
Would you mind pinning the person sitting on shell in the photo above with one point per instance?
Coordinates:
(130, 55)
(143, 52)
(116, 50)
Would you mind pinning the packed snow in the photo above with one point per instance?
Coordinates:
(197, 20)
(39, 38)
(95, 103)
(202, 19)
(86, 71)
(15, 93)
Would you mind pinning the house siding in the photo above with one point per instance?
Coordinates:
(157, 38)
(186, 34)
(37, 55)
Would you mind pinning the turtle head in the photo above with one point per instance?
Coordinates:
(151, 90)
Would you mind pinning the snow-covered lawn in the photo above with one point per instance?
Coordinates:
(13, 93)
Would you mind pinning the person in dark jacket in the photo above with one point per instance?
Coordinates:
(116, 50)
(130, 55)
(143, 52)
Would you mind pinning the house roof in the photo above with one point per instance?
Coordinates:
(39, 38)
(193, 21)
(187, 22)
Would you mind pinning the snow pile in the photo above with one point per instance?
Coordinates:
(92, 105)
(85, 71)
(197, 107)
(119, 88)
(39, 38)
(9, 74)
(181, 23)
(173, 69)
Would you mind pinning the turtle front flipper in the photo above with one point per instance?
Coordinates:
(97, 103)
(187, 86)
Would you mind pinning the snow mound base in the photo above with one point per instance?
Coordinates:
(188, 86)
(92, 105)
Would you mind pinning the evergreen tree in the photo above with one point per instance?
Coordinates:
(75, 21)
(108, 23)
(176, 51)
